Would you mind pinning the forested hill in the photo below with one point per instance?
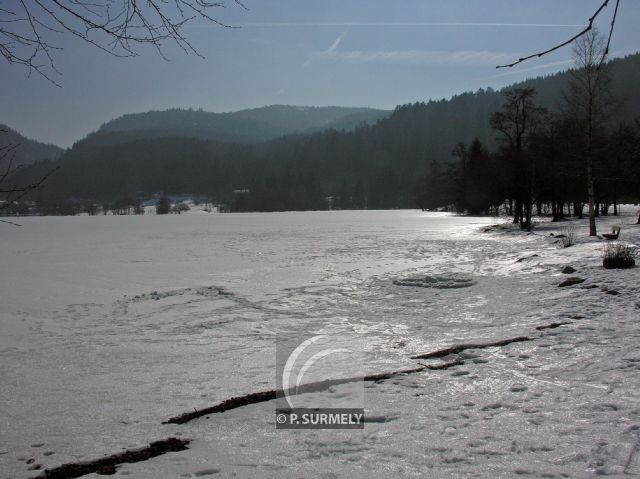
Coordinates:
(374, 166)
(245, 126)
(297, 119)
(434, 128)
(27, 151)
(625, 76)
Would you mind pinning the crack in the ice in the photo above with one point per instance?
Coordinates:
(436, 367)
(461, 347)
(264, 396)
(553, 325)
(107, 465)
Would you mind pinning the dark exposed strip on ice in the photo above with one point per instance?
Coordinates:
(461, 347)
(225, 405)
(392, 374)
(107, 465)
(264, 396)
(435, 367)
(553, 325)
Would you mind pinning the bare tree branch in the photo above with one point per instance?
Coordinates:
(114, 26)
(16, 193)
(11, 193)
(613, 23)
(575, 37)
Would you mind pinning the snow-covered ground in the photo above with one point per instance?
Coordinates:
(110, 325)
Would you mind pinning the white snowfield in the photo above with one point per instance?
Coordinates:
(111, 325)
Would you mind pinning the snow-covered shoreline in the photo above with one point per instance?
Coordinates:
(564, 403)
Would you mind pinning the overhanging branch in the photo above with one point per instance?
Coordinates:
(575, 37)
(114, 26)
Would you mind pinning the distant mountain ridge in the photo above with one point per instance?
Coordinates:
(28, 151)
(245, 126)
(380, 162)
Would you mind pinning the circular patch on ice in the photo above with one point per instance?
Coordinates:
(437, 281)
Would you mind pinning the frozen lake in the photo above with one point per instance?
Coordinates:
(111, 324)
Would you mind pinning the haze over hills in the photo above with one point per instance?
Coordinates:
(290, 119)
(27, 151)
(380, 162)
(245, 126)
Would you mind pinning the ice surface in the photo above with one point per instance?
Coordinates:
(110, 325)
(437, 281)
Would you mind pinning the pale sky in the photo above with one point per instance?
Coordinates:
(377, 53)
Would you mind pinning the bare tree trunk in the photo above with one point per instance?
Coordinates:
(554, 211)
(604, 209)
(508, 206)
(517, 212)
(588, 98)
(530, 190)
(526, 225)
(591, 198)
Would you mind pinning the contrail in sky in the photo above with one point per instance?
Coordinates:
(517, 71)
(336, 43)
(410, 24)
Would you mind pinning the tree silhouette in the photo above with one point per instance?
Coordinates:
(163, 206)
(517, 121)
(588, 100)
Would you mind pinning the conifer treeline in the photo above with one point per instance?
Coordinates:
(483, 182)
(414, 157)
